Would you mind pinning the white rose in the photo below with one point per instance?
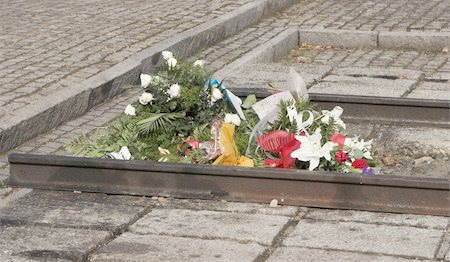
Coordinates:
(167, 54)
(145, 80)
(130, 110)
(232, 119)
(146, 98)
(199, 63)
(172, 62)
(174, 91)
(216, 94)
(227, 118)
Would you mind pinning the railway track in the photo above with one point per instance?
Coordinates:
(386, 193)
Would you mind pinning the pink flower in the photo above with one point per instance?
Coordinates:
(338, 139)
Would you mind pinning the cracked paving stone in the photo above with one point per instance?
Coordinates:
(132, 247)
(420, 243)
(68, 209)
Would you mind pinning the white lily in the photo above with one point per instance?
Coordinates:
(174, 91)
(335, 114)
(166, 55)
(123, 154)
(172, 62)
(360, 146)
(130, 110)
(216, 94)
(311, 150)
(146, 98)
(145, 80)
(200, 63)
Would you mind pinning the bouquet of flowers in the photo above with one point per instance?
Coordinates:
(183, 115)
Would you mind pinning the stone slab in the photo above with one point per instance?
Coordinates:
(77, 210)
(431, 90)
(132, 247)
(363, 86)
(49, 243)
(7, 258)
(259, 75)
(339, 38)
(438, 77)
(268, 52)
(309, 254)
(233, 207)
(378, 72)
(381, 239)
(211, 224)
(424, 41)
(435, 222)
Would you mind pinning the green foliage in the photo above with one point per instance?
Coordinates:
(158, 121)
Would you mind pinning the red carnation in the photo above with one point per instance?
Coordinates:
(359, 163)
(341, 157)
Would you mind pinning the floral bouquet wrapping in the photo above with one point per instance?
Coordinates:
(183, 115)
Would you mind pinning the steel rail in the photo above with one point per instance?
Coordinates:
(416, 195)
(401, 111)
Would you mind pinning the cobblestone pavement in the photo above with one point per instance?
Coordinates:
(46, 46)
(37, 225)
(378, 15)
(430, 63)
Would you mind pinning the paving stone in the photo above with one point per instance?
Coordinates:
(259, 75)
(363, 86)
(132, 247)
(351, 236)
(378, 72)
(435, 222)
(8, 258)
(438, 76)
(211, 224)
(78, 210)
(48, 242)
(234, 207)
(431, 90)
(310, 254)
(339, 38)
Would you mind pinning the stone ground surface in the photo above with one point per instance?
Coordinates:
(75, 226)
(72, 226)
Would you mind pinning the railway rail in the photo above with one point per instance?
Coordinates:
(398, 194)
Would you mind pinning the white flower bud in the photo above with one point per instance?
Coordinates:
(232, 119)
(174, 91)
(130, 110)
(216, 94)
(172, 62)
(167, 54)
(236, 120)
(145, 80)
(146, 98)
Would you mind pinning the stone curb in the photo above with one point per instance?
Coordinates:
(78, 99)
(418, 41)
(270, 51)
